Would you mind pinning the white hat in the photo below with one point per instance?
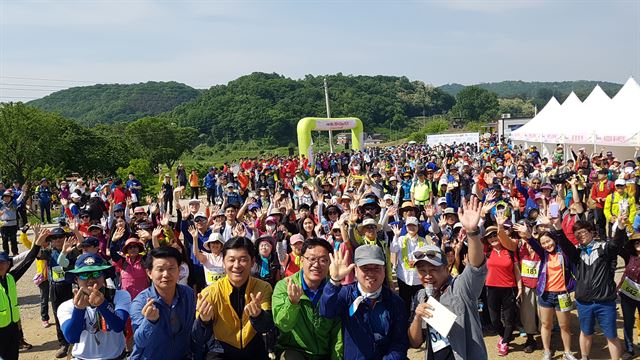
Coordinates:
(74, 196)
(200, 214)
(442, 200)
(94, 195)
(215, 236)
(393, 178)
(368, 222)
(412, 221)
(620, 182)
(387, 197)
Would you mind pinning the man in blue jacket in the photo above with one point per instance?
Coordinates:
(374, 320)
(210, 185)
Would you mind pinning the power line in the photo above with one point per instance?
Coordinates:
(42, 79)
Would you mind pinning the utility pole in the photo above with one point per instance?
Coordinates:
(326, 99)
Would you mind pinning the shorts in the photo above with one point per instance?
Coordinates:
(549, 300)
(603, 312)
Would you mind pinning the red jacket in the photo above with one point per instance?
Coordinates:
(598, 191)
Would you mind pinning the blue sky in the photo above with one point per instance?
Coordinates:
(203, 43)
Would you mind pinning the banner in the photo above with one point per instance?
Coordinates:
(449, 139)
(337, 124)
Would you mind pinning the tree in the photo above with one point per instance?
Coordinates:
(515, 107)
(474, 103)
(160, 140)
(26, 133)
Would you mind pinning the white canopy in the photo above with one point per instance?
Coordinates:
(599, 120)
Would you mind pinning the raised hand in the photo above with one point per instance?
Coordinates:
(165, 220)
(118, 234)
(96, 297)
(429, 211)
(204, 309)
(353, 218)
(396, 230)
(150, 311)
(393, 210)
(491, 195)
(515, 203)
(239, 230)
(294, 291)
(156, 232)
(622, 220)
(148, 199)
(500, 217)
(193, 231)
(143, 235)
(522, 230)
(469, 213)
(80, 298)
(339, 269)
(68, 245)
(41, 236)
(253, 308)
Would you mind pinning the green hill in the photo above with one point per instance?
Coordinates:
(268, 106)
(536, 89)
(113, 103)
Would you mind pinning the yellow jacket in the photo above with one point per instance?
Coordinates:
(226, 324)
(612, 206)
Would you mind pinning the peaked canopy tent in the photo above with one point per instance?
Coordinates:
(597, 122)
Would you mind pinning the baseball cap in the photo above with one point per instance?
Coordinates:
(368, 254)
(491, 230)
(620, 182)
(89, 241)
(194, 201)
(431, 254)
(199, 215)
(88, 263)
(4, 257)
(139, 210)
(442, 200)
(449, 210)
(296, 239)
(73, 196)
(118, 207)
(215, 236)
(95, 226)
(412, 220)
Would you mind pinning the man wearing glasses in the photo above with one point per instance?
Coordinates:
(94, 319)
(458, 294)
(304, 334)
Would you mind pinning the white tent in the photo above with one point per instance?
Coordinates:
(598, 121)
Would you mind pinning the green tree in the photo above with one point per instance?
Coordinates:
(474, 103)
(144, 173)
(160, 140)
(516, 107)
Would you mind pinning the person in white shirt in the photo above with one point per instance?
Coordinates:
(212, 260)
(404, 246)
(95, 318)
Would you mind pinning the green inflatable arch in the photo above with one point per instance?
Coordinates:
(309, 124)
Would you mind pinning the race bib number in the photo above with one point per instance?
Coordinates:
(438, 342)
(565, 302)
(212, 277)
(630, 288)
(530, 269)
(57, 274)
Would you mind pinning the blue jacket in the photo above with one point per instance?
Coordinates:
(359, 339)
(569, 278)
(210, 181)
(44, 194)
(169, 337)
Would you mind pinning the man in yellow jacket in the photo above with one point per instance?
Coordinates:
(236, 309)
(9, 310)
(616, 201)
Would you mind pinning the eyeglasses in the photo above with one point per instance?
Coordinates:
(199, 220)
(535, 182)
(581, 232)
(322, 260)
(90, 275)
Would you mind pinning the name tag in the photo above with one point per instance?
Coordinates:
(565, 302)
(212, 277)
(530, 269)
(57, 274)
(630, 288)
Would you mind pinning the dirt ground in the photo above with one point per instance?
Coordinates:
(45, 344)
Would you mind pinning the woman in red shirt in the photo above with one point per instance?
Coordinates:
(503, 288)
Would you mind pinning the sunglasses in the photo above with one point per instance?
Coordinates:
(199, 220)
(90, 275)
(428, 254)
(337, 231)
(332, 212)
(84, 216)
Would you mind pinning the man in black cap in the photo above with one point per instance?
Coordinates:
(95, 318)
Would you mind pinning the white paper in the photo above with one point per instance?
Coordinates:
(442, 319)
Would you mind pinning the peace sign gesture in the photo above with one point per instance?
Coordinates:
(294, 291)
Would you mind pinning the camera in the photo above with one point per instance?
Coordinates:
(561, 178)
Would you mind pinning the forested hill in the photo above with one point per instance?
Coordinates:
(268, 106)
(536, 89)
(112, 103)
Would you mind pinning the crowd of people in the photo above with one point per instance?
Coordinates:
(341, 257)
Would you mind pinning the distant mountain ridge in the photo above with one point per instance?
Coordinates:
(113, 103)
(534, 89)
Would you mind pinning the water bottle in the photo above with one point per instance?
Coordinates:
(480, 306)
(429, 290)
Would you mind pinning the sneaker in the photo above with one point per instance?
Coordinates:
(503, 349)
(546, 355)
(62, 352)
(499, 342)
(627, 355)
(25, 345)
(568, 356)
(45, 324)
